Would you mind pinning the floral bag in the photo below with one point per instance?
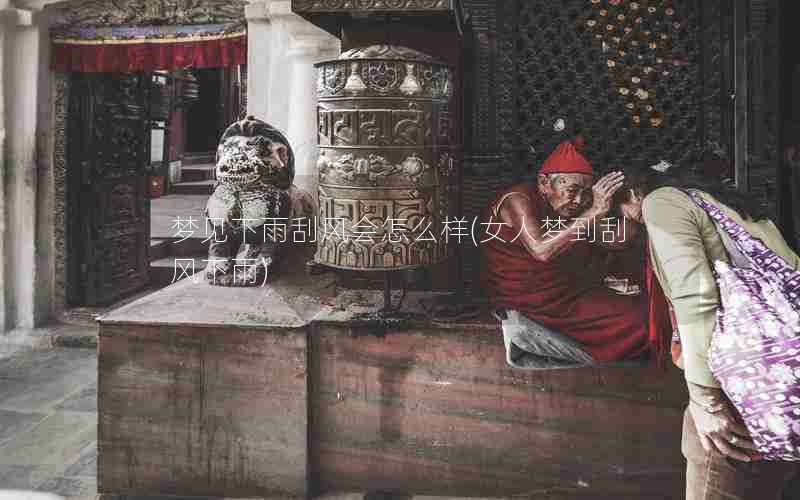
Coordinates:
(755, 347)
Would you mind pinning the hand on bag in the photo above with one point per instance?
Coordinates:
(717, 426)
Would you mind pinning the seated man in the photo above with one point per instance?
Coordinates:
(543, 265)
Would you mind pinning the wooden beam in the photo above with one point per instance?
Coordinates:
(742, 104)
(782, 69)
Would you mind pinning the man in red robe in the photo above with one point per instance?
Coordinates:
(537, 258)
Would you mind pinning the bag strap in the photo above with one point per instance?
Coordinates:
(760, 257)
(736, 256)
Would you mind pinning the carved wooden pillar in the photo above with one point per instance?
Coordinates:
(485, 166)
(757, 111)
(481, 47)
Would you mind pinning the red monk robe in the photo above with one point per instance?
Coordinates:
(565, 294)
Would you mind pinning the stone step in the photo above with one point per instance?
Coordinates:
(188, 247)
(74, 335)
(198, 158)
(194, 173)
(200, 166)
(86, 316)
(194, 187)
(166, 271)
(161, 248)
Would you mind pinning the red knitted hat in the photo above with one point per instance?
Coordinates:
(567, 159)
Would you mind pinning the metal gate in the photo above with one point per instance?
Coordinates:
(642, 80)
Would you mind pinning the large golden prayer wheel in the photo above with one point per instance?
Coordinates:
(387, 166)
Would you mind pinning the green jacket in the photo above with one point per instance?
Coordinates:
(684, 243)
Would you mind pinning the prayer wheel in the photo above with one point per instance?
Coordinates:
(387, 164)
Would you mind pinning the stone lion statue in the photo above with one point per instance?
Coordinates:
(251, 203)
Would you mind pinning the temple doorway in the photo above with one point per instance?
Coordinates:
(128, 135)
(207, 101)
(108, 220)
(204, 118)
(135, 90)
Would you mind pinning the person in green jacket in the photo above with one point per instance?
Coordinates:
(684, 243)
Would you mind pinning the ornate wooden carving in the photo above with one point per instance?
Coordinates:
(717, 68)
(109, 206)
(60, 108)
(151, 12)
(763, 113)
(339, 6)
(551, 66)
(507, 32)
(481, 40)
(485, 169)
(243, 90)
(531, 62)
(387, 162)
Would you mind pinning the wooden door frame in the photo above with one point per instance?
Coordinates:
(759, 109)
(79, 253)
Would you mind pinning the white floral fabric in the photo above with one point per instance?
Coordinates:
(755, 347)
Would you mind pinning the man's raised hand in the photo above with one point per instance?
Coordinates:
(603, 193)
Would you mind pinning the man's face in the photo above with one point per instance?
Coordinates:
(567, 194)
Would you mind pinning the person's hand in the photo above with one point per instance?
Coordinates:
(717, 427)
(621, 286)
(603, 193)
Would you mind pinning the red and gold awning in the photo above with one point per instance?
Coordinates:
(148, 48)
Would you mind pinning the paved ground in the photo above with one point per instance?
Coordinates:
(48, 425)
(48, 421)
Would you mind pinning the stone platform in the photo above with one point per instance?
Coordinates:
(300, 387)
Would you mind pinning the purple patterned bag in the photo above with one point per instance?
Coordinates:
(755, 347)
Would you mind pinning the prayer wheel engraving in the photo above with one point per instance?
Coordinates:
(387, 165)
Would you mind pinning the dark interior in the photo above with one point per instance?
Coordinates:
(788, 180)
(204, 116)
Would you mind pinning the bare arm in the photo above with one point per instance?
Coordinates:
(518, 212)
